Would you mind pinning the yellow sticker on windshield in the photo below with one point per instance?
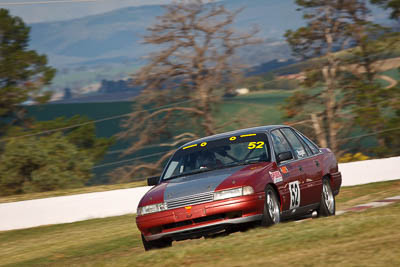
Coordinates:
(245, 135)
(253, 145)
(189, 146)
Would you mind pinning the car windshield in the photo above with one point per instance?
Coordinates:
(217, 154)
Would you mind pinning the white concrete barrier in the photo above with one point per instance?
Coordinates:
(65, 209)
(368, 171)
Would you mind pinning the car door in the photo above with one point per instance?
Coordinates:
(292, 175)
(308, 163)
(314, 173)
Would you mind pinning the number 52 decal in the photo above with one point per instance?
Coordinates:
(294, 190)
(253, 145)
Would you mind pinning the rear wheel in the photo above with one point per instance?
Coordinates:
(160, 243)
(271, 214)
(327, 206)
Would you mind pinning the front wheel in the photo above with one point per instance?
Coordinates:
(271, 214)
(160, 243)
(327, 206)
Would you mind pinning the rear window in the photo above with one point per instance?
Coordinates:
(311, 145)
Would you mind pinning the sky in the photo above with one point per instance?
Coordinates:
(32, 11)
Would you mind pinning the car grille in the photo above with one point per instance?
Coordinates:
(190, 200)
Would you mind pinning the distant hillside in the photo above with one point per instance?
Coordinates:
(108, 46)
(115, 36)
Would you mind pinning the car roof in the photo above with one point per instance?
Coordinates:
(260, 129)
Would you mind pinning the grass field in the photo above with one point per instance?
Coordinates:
(354, 239)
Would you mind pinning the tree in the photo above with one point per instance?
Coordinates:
(374, 105)
(82, 136)
(324, 34)
(195, 66)
(23, 72)
(336, 82)
(40, 158)
(36, 164)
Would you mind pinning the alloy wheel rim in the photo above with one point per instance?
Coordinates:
(328, 197)
(273, 209)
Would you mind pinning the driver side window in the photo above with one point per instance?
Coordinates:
(279, 142)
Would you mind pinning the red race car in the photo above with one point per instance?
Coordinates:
(228, 181)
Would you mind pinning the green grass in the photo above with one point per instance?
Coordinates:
(354, 239)
(93, 111)
(354, 195)
(394, 73)
(259, 108)
(265, 102)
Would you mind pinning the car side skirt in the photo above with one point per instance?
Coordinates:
(301, 211)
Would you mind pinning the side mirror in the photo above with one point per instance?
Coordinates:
(153, 180)
(284, 156)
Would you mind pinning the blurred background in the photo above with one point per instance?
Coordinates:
(103, 92)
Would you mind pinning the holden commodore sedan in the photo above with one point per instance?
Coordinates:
(228, 181)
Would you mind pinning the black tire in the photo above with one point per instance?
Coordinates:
(327, 206)
(160, 243)
(271, 213)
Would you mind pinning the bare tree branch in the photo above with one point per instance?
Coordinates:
(195, 63)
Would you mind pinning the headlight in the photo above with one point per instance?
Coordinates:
(151, 208)
(236, 192)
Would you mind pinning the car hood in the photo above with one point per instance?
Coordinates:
(197, 183)
(209, 181)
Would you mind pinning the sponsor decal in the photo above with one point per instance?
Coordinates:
(301, 153)
(284, 170)
(276, 176)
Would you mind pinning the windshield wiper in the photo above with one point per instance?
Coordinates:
(250, 161)
(205, 169)
(246, 162)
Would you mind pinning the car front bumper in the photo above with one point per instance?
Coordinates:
(201, 219)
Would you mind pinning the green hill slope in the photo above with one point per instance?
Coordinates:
(261, 108)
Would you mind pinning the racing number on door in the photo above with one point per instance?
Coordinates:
(294, 190)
